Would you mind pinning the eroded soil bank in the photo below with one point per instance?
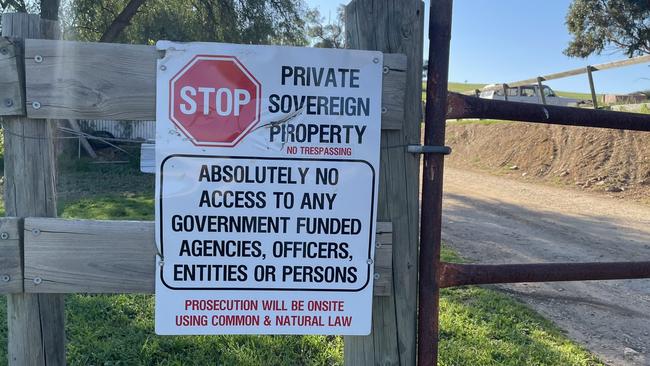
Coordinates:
(612, 162)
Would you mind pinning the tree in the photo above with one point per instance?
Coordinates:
(234, 21)
(19, 6)
(597, 24)
(13, 5)
(327, 35)
(121, 21)
(48, 9)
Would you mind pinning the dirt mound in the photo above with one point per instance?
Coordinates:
(609, 161)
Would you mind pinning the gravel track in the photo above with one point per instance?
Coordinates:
(491, 219)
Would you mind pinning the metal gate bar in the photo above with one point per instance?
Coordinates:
(440, 105)
(465, 106)
(453, 274)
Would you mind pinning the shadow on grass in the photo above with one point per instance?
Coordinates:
(118, 329)
(110, 207)
(479, 326)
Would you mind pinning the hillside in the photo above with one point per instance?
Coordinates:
(610, 162)
(468, 88)
(463, 87)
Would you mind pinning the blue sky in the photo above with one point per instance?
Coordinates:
(509, 40)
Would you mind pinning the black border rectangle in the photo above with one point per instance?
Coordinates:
(370, 244)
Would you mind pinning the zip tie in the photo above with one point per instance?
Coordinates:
(162, 259)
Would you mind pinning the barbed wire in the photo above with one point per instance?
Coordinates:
(87, 136)
(76, 135)
(8, 132)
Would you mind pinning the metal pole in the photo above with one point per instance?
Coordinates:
(465, 106)
(594, 99)
(541, 89)
(454, 274)
(431, 217)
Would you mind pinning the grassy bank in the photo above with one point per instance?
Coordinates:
(479, 326)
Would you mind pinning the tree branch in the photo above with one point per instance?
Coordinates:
(50, 9)
(18, 6)
(121, 21)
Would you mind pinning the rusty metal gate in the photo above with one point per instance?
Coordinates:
(442, 105)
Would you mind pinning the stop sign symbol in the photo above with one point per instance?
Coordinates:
(214, 100)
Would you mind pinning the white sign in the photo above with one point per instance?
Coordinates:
(267, 162)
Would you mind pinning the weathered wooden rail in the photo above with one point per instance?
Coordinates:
(78, 80)
(91, 256)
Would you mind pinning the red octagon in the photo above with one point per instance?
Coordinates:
(214, 100)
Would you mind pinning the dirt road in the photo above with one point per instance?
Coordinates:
(490, 219)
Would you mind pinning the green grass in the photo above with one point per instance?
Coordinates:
(3, 330)
(464, 87)
(575, 95)
(479, 326)
(118, 330)
(468, 88)
(123, 206)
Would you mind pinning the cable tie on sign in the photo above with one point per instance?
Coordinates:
(162, 259)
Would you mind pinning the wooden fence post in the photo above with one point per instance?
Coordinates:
(36, 321)
(394, 26)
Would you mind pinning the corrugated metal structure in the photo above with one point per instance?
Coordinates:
(634, 98)
(148, 158)
(128, 130)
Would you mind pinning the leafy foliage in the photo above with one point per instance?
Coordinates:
(283, 22)
(597, 24)
(21, 6)
(233, 21)
(47, 8)
(13, 5)
(330, 34)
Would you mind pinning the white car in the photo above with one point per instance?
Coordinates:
(528, 94)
